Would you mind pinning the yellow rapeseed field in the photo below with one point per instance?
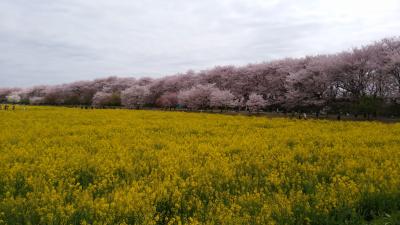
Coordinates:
(73, 166)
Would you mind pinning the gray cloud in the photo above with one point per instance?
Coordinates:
(57, 41)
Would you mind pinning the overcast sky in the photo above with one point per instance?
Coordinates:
(58, 41)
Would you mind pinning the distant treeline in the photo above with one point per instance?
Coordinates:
(365, 80)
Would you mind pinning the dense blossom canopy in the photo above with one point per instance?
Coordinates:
(363, 80)
(256, 102)
(135, 96)
(222, 99)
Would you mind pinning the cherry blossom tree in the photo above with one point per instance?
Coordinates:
(393, 69)
(135, 96)
(198, 97)
(115, 84)
(106, 99)
(256, 102)
(308, 88)
(336, 82)
(355, 71)
(221, 99)
(54, 95)
(391, 66)
(167, 100)
(239, 103)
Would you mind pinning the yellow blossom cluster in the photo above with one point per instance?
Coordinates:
(72, 166)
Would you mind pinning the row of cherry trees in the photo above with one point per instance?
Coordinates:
(362, 80)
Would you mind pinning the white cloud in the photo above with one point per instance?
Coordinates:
(55, 41)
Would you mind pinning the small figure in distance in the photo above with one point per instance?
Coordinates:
(13, 107)
(304, 116)
(339, 116)
(5, 107)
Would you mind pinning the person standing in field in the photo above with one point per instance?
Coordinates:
(13, 107)
(304, 116)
